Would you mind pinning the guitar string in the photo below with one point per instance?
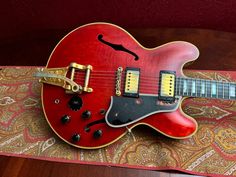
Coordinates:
(207, 82)
(157, 77)
(113, 74)
(155, 86)
(177, 90)
(178, 79)
(181, 92)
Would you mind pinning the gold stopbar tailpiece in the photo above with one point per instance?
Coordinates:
(58, 77)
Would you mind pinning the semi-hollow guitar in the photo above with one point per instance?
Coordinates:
(99, 83)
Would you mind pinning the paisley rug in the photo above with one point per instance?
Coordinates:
(211, 151)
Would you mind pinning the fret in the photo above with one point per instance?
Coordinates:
(220, 90)
(193, 87)
(198, 87)
(208, 89)
(203, 88)
(210, 83)
(176, 86)
(226, 91)
(189, 85)
(180, 86)
(213, 89)
(232, 91)
(185, 88)
(228, 84)
(223, 90)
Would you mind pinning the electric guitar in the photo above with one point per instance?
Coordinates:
(99, 83)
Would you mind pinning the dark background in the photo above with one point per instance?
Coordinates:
(30, 29)
(19, 17)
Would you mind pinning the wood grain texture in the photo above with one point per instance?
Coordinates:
(19, 167)
(217, 52)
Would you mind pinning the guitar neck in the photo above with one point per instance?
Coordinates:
(192, 87)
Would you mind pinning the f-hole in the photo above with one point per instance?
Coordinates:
(117, 47)
(87, 127)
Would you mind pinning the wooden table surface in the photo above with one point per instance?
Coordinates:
(217, 52)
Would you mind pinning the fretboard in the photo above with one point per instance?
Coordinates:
(192, 87)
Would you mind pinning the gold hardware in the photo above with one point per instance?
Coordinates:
(167, 85)
(118, 81)
(57, 101)
(58, 77)
(132, 82)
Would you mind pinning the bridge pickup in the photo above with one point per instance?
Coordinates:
(167, 86)
(131, 88)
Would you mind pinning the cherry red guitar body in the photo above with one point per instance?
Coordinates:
(107, 47)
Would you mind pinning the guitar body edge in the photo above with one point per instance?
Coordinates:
(182, 125)
(84, 47)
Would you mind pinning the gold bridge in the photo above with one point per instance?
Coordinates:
(118, 81)
(58, 77)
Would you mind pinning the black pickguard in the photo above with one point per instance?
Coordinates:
(124, 110)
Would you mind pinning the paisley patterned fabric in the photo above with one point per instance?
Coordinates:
(212, 150)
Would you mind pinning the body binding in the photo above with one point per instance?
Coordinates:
(120, 49)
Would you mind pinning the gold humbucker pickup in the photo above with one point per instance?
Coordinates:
(167, 86)
(131, 88)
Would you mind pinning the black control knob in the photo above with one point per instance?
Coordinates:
(65, 119)
(75, 103)
(97, 133)
(86, 114)
(76, 137)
